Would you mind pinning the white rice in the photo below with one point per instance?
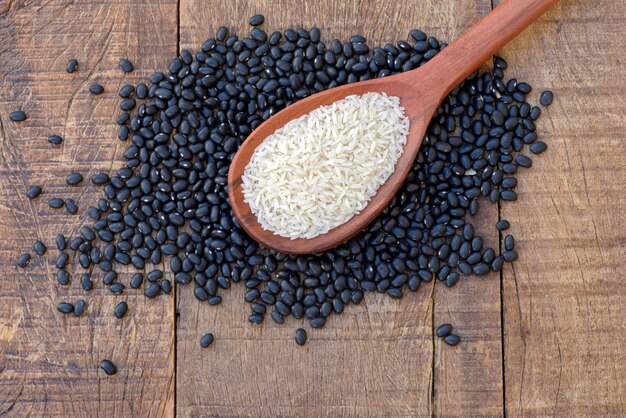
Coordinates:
(321, 169)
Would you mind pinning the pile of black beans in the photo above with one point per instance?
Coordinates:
(169, 202)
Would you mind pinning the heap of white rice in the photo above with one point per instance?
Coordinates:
(321, 169)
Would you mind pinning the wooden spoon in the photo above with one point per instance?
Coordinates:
(420, 91)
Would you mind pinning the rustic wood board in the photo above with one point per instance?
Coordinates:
(560, 308)
(49, 363)
(564, 299)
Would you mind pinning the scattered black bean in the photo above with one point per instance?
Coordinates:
(96, 88)
(62, 260)
(301, 336)
(546, 98)
(33, 192)
(452, 339)
(136, 281)
(110, 277)
(166, 287)
(79, 307)
(24, 260)
(60, 241)
(86, 282)
(538, 147)
(117, 288)
(18, 116)
(63, 277)
(55, 139)
(126, 65)
(70, 206)
(443, 330)
(126, 91)
(152, 290)
(509, 242)
(72, 65)
(256, 20)
(65, 307)
(56, 203)
(74, 179)
(39, 247)
(121, 309)
(503, 224)
(206, 340)
(100, 179)
(108, 367)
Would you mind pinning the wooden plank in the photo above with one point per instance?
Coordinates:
(564, 299)
(468, 377)
(49, 363)
(375, 359)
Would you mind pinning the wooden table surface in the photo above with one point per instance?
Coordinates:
(544, 338)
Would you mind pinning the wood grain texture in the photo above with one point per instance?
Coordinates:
(49, 362)
(563, 303)
(564, 299)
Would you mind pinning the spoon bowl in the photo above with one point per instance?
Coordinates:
(420, 92)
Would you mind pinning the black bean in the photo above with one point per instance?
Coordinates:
(538, 147)
(452, 339)
(74, 179)
(62, 260)
(86, 282)
(523, 161)
(63, 277)
(55, 139)
(100, 178)
(109, 278)
(117, 288)
(136, 281)
(24, 260)
(206, 340)
(126, 65)
(128, 104)
(126, 91)
(65, 307)
(39, 247)
(256, 20)
(152, 290)
(508, 195)
(60, 241)
(301, 336)
(509, 242)
(72, 65)
(318, 322)
(108, 367)
(70, 206)
(509, 256)
(56, 203)
(166, 287)
(79, 307)
(503, 224)
(452, 279)
(18, 116)
(546, 98)
(33, 192)
(443, 330)
(121, 309)
(96, 88)
(255, 319)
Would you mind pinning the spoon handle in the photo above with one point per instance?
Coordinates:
(480, 42)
